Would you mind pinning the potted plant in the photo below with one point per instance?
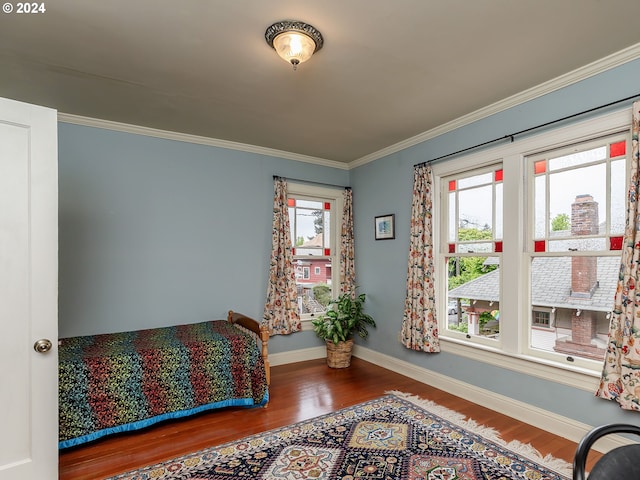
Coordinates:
(344, 317)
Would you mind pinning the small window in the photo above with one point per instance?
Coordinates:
(541, 319)
(314, 214)
(305, 273)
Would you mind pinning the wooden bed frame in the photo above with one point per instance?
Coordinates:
(261, 332)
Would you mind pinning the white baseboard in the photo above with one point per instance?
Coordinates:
(524, 412)
(297, 355)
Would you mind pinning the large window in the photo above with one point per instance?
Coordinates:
(315, 218)
(529, 239)
(577, 202)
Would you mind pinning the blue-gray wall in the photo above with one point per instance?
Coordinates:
(157, 232)
(384, 186)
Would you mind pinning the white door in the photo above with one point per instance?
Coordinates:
(28, 292)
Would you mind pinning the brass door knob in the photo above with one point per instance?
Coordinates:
(42, 346)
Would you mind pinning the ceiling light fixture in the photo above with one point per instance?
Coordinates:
(294, 41)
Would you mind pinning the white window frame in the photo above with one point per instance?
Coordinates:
(530, 254)
(335, 196)
(490, 168)
(511, 354)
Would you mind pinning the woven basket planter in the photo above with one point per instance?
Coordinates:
(339, 355)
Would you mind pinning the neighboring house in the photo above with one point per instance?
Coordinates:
(311, 272)
(571, 297)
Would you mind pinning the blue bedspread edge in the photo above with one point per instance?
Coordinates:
(129, 427)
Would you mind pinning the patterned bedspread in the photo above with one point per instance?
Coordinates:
(124, 381)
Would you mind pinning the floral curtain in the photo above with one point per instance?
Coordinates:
(419, 323)
(281, 309)
(620, 379)
(347, 250)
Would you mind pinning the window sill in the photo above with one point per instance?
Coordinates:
(576, 377)
(543, 328)
(306, 324)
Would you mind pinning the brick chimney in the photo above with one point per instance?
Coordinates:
(584, 270)
(584, 281)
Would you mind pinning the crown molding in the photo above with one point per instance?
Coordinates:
(619, 58)
(575, 76)
(184, 137)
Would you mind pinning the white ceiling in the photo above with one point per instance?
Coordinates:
(388, 71)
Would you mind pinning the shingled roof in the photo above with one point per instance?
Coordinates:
(551, 285)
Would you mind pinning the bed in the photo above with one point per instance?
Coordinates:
(125, 381)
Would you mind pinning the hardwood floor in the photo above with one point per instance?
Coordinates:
(298, 391)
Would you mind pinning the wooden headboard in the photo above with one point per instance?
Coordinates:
(261, 332)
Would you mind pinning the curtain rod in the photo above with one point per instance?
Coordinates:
(526, 130)
(313, 183)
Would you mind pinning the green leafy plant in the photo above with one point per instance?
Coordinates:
(322, 294)
(344, 318)
(561, 221)
(485, 317)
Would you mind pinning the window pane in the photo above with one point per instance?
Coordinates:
(452, 217)
(540, 208)
(618, 196)
(305, 251)
(312, 204)
(475, 212)
(473, 305)
(476, 180)
(578, 245)
(579, 202)
(313, 281)
(292, 226)
(308, 226)
(578, 158)
(326, 229)
(577, 294)
(570, 187)
(498, 206)
(485, 247)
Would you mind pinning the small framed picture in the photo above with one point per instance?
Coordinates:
(385, 227)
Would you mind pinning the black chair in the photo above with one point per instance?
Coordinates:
(619, 463)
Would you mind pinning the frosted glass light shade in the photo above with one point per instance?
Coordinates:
(294, 41)
(294, 47)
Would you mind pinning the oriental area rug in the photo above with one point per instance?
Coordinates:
(397, 436)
